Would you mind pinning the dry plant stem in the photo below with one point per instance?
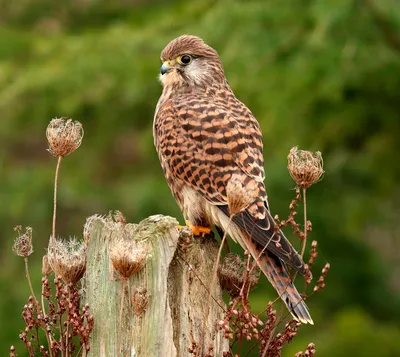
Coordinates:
(55, 197)
(61, 338)
(269, 341)
(28, 277)
(303, 248)
(240, 344)
(303, 244)
(210, 297)
(48, 336)
(42, 300)
(121, 309)
(252, 348)
(79, 352)
(63, 351)
(248, 270)
(243, 296)
(67, 325)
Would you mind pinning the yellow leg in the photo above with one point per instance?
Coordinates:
(198, 230)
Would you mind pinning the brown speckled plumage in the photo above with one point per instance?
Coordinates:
(204, 135)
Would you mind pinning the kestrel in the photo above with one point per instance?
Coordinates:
(205, 138)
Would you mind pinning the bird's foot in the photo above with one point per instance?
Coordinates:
(197, 230)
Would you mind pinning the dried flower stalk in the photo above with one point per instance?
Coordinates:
(128, 257)
(67, 259)
(66, 324)
(64, 136)
(23, 243)
(305, 167)
(24, 248)
(232, 276)
(46, 268)
(239, 196)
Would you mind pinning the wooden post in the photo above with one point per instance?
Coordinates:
(165, 301)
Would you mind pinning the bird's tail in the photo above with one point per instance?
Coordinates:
(278, 276)
(271, 265)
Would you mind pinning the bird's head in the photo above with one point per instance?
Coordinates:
(188, 61)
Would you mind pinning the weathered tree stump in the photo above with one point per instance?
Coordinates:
(164, 303)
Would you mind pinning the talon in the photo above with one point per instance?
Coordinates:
(198, 230)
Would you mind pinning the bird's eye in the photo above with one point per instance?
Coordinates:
(185, 59)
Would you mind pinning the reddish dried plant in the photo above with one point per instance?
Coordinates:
(65, 324)
(309, 352)
(268, 332)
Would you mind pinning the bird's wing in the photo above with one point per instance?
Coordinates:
(205, 143)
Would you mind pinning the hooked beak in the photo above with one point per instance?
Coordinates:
(166, 67)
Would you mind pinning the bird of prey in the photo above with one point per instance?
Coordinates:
(204, 137)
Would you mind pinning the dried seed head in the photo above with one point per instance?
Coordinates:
(238, 195)
(23, 243)
(231, 275)
(64, 136)
(12, 351)
(46, 268)
(67, 259)
(140, 301)
(128, 256)
(325, 269)
(118, 217)
(305, 167)
(321, 281)
(313, 253)
(310, 351)
(308, 275)
(89, 224)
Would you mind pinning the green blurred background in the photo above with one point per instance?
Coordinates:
(321, 74)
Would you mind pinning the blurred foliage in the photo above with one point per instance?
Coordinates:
(321, 74)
